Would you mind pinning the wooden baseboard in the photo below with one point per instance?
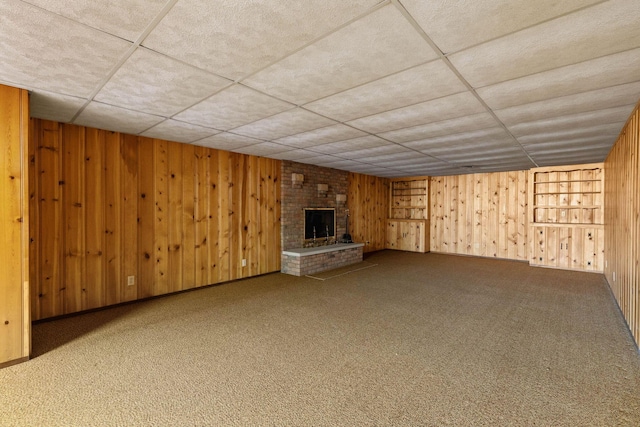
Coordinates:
(13, 362)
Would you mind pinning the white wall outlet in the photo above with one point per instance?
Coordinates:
(244, 262)
(131, 280)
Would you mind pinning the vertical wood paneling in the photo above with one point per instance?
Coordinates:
(175, 215)
(368, 198)
(73, 180)
(94, 294)
(161, 219)
(214, 218)
(622, 218)
(480, 214)
(224, 207)
(202, 217)
(171, 216)
(146, 217)
(189, 217)
(15, 326)
(113, 219)
(129, 215)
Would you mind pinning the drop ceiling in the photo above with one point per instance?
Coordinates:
(387, 88)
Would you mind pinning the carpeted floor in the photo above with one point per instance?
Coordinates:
(419, 339)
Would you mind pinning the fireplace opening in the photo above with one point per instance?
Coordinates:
(319, 223)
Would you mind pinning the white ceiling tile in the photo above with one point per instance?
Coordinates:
(487, 156)
(449, 107)
(103, 116)
(53, 106)
(609, 131)
(123, 18)
(369, 141)
(319, 159)
(476, 152)
(493, 134)
(380, 150)
(418, 84)
(441, 128)
(572, 157)
(573, 121)
(413, 161)
(265, 149)
(597, 73)
(374, 46)
(389, 158)
(603, 29)
(173, 130)
(233, 38)
(41, 50)
(159, 85)
(295, 155)
(233, 107)
(320, 136)
(459, 24)
(287, 123)
(227, 141)
(616, 96)
(341, 164)
(571, 144)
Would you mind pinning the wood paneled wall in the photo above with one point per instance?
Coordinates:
(368, 201)
(622, 222)
(15, 324)
(107, 206)
(480, 214)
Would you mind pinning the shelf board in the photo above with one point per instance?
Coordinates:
(557, 193)
(563, 182)
(567, 207)
(566, 224)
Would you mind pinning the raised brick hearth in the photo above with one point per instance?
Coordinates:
(303, 261)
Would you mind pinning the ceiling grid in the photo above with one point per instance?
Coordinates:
(388, 88)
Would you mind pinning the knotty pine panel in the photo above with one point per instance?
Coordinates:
(368, 199)
(106, 206)
(622, 217)
(15, 325)
(480, 214)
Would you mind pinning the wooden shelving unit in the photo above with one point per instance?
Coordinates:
(567, 216)
(408, 222)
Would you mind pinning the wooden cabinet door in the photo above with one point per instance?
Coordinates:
(392, 235)
(564, 251)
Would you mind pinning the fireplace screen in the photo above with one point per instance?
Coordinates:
(319, 223)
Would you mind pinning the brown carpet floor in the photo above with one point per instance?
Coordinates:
(419, 339)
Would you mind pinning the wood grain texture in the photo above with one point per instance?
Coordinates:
(109, 206)
(622, 222)
(368, 198)
(408, 224)
(480, 214)
(15, 325)
(566, 217)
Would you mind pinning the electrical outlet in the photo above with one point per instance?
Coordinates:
(244, 262)
(131, 280)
